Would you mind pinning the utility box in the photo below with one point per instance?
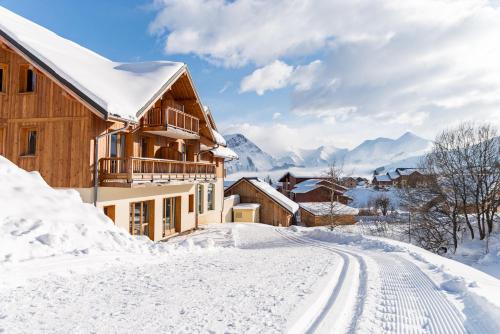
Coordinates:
(246, 213)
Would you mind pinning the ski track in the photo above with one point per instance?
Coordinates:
(408, 300)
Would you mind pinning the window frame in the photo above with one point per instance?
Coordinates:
(25, 141)
(211, 197)
(23, 79)
(4, 83)
(191, 203)
(200, 192)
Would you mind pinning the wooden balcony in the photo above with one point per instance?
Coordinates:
(135, 170)
(171, 122)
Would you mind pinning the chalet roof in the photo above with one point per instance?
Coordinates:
(382, 178)
(311, 184)
(407, 171)
(272, 193)
(219, 139)
(122, 89)
(393, 175)
(303, 175)
(324, 208)
(224, 152)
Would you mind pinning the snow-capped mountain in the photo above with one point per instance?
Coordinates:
(251, 157)
(385, 150)
(369, 154)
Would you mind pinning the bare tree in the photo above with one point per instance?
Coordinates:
(333, 176)
(382, 202)
(461, 187)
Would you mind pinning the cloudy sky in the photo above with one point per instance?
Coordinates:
(306, 73)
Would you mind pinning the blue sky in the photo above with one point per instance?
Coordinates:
(323, 72)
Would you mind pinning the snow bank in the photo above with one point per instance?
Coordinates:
(38, 221)
(479, 291)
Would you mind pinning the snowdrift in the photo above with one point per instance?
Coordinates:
(39, 221)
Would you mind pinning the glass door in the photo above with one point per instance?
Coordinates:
(169, 215)
(139, 218)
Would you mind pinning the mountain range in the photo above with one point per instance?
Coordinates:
(369, 155)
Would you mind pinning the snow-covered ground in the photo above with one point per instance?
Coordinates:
(64, 267)
(252, 278)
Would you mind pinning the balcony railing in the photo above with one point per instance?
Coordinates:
(135, 169)
(172, 117)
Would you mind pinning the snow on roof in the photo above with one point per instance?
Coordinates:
(382, 178)
(219, 139)
(224, 152)
(246, 206)
(324, 208)
(306, 186)
(118, 88)
(393, 175)
(276, 195)
(406, 171)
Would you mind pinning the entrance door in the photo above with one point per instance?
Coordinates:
(142, 218)
(171, 215)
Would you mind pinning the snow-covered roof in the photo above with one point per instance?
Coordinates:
(219, 139)
(123, 89)
(224, 152)
(407, 171)
(306, 186)
(246, 206)
(275, 195)
(382, 178)
(324, 208)
(393, 175)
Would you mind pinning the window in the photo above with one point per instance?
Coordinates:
(183, 151)
(169, 215)
(141, 218)
(27, 79)
(109, 211)
(210, 196)
(3, 78)
(191, 203)
(200, 198)
(29, 142)
(2, 141)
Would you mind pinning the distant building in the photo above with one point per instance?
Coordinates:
(275, 208)
(318, 190)
(400, 177)
(323, 213)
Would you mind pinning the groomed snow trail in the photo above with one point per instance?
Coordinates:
(408, 301)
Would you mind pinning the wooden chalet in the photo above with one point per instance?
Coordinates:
(275, 208)
(132, 138)
(319, 190)
(323, 213)
(402, 177)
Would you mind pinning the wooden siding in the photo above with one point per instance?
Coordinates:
(311, 220)
(270, 212)
(61, 122)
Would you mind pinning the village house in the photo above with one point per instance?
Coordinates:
(274, 207)
(349, 182)
(318, 190)
(326, 213)
(411, 177)
(132, 138)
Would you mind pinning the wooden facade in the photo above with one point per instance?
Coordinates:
(65, 130)
(160, 159)
(320, 194)
(310, 219)
(270, 212)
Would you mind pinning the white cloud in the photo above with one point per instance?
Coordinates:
(382, 65)
(279, 75)
(276, 115)
(270, 77)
